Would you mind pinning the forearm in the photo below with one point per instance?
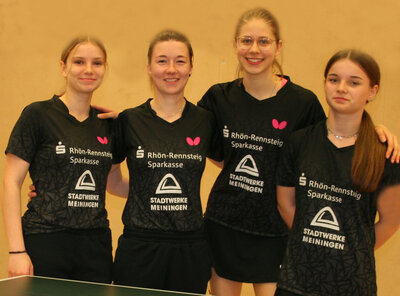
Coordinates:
(219, 164)
(383, 231)
(388, 205)
(287, 214)
(12, 215)
(286, 204)
(116, 183)
(120, 189)
(19, 263)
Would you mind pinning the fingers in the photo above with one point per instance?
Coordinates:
(396, 151)
(112, 114)
(19, 264)
(390, 146)
(31, 270)
(101, 108)
(393, 149)
(32, 192)
(382, 133)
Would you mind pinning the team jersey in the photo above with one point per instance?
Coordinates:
(330, 249)
(253, 132)
(69, 163)
(165, 162)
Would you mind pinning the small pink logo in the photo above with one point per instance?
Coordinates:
(277, 125)
(102, 140)
(194, 142)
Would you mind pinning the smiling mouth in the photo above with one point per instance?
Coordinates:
(171, 79)
(254, 60)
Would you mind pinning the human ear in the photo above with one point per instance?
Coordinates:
(63, 68)
(148, 69)
(278, 47)
(372, 93)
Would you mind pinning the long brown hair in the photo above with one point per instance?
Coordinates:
(369, 154)
(269, 19)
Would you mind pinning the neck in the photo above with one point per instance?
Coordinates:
(78, 104)
(343, 128)
(168, 108)
(262, 86)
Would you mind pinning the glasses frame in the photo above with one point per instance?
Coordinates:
(240, 44)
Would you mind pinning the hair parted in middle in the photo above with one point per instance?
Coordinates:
(269, 19)
(167, 35)
(369, 160)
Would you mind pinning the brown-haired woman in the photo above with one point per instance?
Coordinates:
(67, 150)
(165, 142)
(332, 180)
(254, 115)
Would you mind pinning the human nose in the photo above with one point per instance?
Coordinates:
(254, 46)
(171, 67)
(88, 68)
(342, 86)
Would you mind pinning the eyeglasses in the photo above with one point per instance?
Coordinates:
(246, 42)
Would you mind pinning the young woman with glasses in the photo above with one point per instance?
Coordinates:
(254, 115)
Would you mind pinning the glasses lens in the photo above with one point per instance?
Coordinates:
(245, 41)
(264, 41)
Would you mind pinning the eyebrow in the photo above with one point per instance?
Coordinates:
(165, 56)
(354, 76)
(95, 58)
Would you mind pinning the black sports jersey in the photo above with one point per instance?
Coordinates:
(253, 131)
(69, 163)
(165, 162)
(330, 250)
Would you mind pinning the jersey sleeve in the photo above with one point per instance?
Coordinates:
(208, 102)
(314, 112)
(119, 147)
(391, 175)
(215, 150)
(25, 136)
(285, 172)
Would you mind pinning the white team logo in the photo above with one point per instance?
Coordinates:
(60, 148)
(326, 218)
(140, 152)
(164, 187)
(86, 182)
(247, 165)
(302, 180)
(225, 131)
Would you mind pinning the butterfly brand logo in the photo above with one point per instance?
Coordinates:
(103, 141)
(279, 125)
(193, 142)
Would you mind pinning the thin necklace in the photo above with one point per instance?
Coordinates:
(341, 137)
